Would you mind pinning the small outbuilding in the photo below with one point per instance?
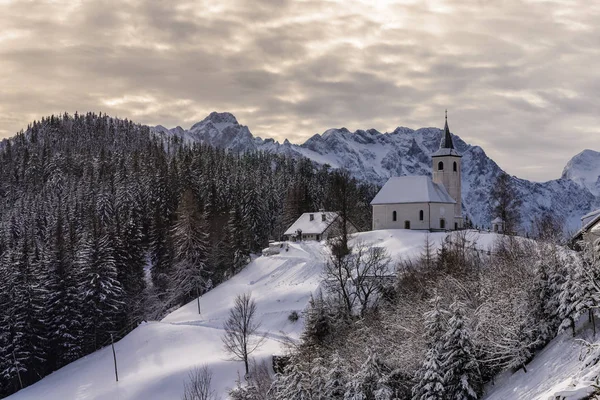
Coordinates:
(318, 226)
(498, 225)
(589, 234)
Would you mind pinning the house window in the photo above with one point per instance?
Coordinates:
(440, 166)
(456, 226)
(394, 216)
(312, 217)
(455, 167)
(323, 217)
(442, 223)
(421, 215)
(406, 224)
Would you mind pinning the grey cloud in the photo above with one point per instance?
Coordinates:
(518, 76)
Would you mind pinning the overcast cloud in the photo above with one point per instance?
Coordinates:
(519, 78)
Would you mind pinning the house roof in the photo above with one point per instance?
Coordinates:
(498, 220)
(589, 220)
(412, 189)
(315, 227)
(446, 144)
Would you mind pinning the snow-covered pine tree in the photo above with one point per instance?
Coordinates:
(370, 382)
(62, 304)
(294, 384)
(462, 380)
(101, 294)
(336, 378)
(192, 275)
(430, 377)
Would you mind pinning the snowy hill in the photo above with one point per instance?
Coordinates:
(155, 358)
(375, 156)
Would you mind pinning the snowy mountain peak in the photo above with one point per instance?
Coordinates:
(224, 118)
(584, 169)
(375, 156)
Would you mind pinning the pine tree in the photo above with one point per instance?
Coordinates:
(101, 294)
(192, 275)
(63, 311)
(462, 379)
(430, 383)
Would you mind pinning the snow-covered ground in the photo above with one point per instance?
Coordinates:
(556, 373)
(155, 359)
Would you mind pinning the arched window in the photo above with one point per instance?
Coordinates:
(442, 223)
(455, 167)
(406, 224)
(440, 166)
(421, 215)
(394, 216)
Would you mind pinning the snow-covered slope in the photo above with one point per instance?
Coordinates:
(556, 372)
(155, 358)
(375, 156)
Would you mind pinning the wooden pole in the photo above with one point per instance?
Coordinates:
(17, 369)
(114, 357)
(198, 296)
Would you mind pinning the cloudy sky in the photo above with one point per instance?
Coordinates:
(519, 77)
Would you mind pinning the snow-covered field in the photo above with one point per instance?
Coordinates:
(155, 359)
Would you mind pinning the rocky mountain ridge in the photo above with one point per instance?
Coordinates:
(375, 156)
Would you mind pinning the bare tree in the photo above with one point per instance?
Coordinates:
(242, 336)
(505, 202)
(198, 386)
(357, 278)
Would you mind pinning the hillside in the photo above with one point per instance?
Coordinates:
(155, 358)
(375, 156)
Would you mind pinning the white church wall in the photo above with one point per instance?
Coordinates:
(383, 215)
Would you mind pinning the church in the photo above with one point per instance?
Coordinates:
(423, 202)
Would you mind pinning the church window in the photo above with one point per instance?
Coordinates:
(440, 166)
(421, 215)
(456, 226)
(406, 224)
(442, 223)
(455, 167)
(394, 215)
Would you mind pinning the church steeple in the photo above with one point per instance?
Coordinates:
(446, 142)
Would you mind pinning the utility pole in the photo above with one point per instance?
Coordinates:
(17, 369)
(114, 356)
(198, 296)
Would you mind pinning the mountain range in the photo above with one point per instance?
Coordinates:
(375, 156)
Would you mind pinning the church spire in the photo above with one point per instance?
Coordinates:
(446, 142)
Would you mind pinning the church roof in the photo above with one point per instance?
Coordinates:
(446, 145)
(412, 189)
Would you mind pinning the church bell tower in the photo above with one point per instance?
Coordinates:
(446, 170)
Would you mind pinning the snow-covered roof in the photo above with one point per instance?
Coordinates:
(498, 220)
(315, 227)
(590, 214)
(588, 221)
(412, 189)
